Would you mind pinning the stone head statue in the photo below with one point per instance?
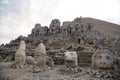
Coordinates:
(71, 58)
(103, 59)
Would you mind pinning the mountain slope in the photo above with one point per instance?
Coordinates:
(107, 28)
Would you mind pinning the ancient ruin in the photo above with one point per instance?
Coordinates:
(71, 59)
(69, 50)
(20, 55)
(41, 59)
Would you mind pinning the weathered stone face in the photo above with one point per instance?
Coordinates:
(103, 59)
(20, 55)
(71, 59)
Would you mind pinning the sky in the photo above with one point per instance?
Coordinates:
(18, 17)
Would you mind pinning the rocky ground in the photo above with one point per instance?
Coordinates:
(58, 72)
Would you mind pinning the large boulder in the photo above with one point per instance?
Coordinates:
(103, 59)
(30, 60)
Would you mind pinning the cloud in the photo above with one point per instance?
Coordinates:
(18, 17)
(101, 9)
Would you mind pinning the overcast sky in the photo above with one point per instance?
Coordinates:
(18, 17)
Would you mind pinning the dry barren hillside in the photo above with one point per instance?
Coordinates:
(110, 29)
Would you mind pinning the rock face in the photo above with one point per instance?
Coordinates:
(65, 28)
(72, 27)
(54, 27)
(103, 59)
(36, 31)
(71, 59)
(20, 55)
(94, 37)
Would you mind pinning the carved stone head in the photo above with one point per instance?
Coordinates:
(103, 59)
(71, 59)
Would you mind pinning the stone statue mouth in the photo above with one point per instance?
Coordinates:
(104, 66)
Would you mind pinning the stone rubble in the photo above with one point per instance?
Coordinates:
(46, 46)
